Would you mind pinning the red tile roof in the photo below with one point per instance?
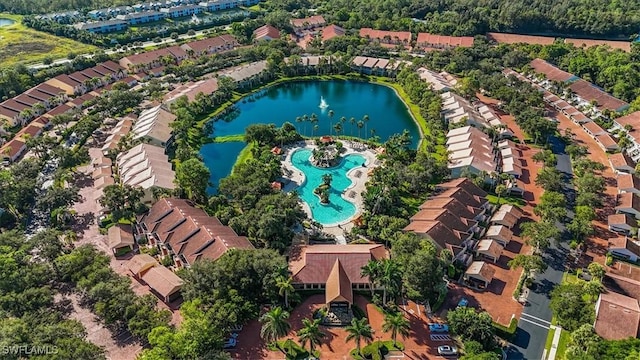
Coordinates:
(550, 71)
(266, 31)
(590, 92)
(622, 45)
(317, 261)
(312, 21)
(12, 148)
(150, 57)
(618, 316)
(433, 40)
(593, 128)
(620, 160)
(628, 201)
(26, 99)
(607, 141)
(38, 95)
(190, 231)
(61, 109)
(628, 181)
(504, 38)
(332, 31)
(210, 44)
(632, 120)
(393, 36)
(621, 219)
(8, 112)
(32, 130)
(49, 89)
(14, 105)
(111, 65)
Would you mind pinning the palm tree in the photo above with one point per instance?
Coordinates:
(298, 120)
(285, 288)
(372, 271)
(342, 121)
(390, 277)
(359, 330)
(315, 128)
(396, 324)
(275, 324)
(365, 118)
(313, 120)
(310, 333)
(305, 119)
(338, 128)
(331, 113)
(352, 121)
(360, 124)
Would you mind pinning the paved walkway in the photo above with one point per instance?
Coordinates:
(597, 245)
(554, 344)
(358, 176)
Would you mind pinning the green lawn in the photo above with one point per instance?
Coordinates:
(244, 155)
(229, 138)
(563, 342)
(21, 44)
(506, 200)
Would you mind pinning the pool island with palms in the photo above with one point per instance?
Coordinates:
(340, 207)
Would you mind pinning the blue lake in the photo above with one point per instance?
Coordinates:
(387, 113)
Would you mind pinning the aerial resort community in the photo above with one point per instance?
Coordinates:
(244, 179)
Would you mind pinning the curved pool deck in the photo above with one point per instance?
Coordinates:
(349, 176)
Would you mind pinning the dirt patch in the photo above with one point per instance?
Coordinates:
(117, 346)
(21, 48)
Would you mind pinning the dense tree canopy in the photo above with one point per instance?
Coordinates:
(236, 284)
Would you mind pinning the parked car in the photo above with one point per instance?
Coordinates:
(439, 328)
(447, 350)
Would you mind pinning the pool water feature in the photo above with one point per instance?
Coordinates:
(339, 209)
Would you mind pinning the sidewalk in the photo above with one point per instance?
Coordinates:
(554, 344)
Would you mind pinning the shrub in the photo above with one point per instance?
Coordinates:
(505, 332)
(609, 260)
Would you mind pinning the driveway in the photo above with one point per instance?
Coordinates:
(533, 326)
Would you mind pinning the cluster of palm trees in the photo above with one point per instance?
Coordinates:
(385, 274)
(275, 324)
(338, 127)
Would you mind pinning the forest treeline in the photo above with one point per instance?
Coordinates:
(599, 18)
(26, 7)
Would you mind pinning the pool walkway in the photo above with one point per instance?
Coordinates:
(358, 176)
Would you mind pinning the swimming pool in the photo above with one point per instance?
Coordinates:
(338, 209)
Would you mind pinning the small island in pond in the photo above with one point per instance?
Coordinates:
(323, 190)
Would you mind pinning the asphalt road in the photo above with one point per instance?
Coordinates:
(534, 323)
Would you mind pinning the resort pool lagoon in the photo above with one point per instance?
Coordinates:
(339, 209)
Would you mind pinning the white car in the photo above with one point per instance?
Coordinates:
(447, 350)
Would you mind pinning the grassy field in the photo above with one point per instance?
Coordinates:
(506, 200)
(245, 154)
(20, 44)
(228, 138)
